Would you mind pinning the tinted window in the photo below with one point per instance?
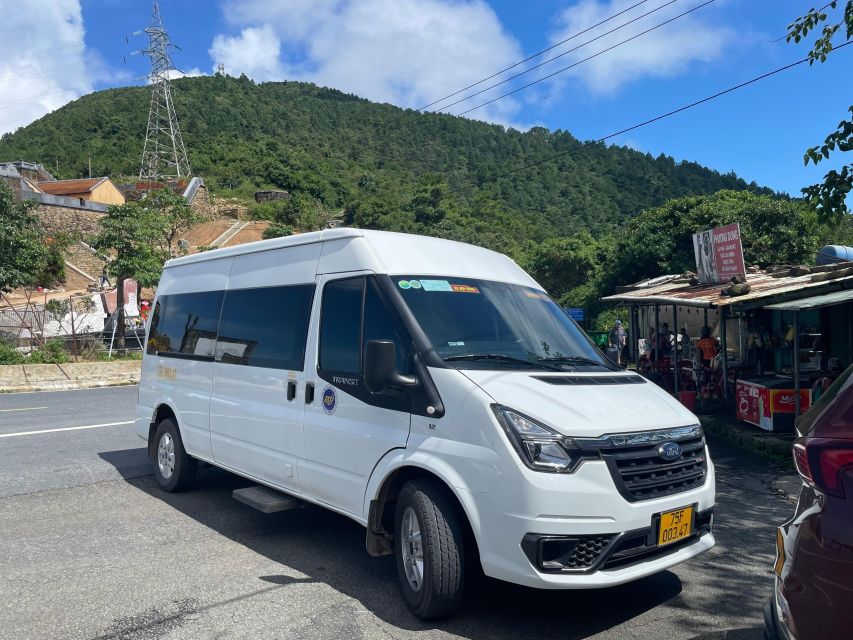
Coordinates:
(150, 346)
(382, 323)
(464, 317)
(265, 327)
(340, 326)
(185, 323)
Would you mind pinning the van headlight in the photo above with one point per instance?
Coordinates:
(540, 447)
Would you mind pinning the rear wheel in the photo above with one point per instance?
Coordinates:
(428, 539)
(174, 469)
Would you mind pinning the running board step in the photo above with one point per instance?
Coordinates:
(265, 499)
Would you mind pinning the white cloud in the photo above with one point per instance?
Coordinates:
(44, 63)
(664, 52)
(406, 52)
(254, 52)
(195, 72)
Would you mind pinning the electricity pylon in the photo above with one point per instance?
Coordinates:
(164, 156)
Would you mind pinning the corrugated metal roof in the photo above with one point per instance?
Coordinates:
(826, 300)
(764, 288)
(62, 187)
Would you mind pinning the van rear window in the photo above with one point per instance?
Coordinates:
(185, 324)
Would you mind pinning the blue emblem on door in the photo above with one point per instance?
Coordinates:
(669, 451)
(330, 400)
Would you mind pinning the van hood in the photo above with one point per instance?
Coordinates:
(584, 405)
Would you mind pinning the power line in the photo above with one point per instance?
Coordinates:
(653, 120)
(535, 55)
(565, 53)
(587, 59)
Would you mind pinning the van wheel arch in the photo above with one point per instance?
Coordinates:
(380, 520)
(162, 412)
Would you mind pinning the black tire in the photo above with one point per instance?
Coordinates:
(183, 468)
(443, 572)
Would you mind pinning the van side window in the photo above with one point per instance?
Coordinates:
(151, 344)
(265, 327)
(340, 326)
(186, 323)
(382, 323)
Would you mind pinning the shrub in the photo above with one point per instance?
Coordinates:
(52, 352)
(9, 354)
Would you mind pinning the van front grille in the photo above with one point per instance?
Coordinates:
(641, 473)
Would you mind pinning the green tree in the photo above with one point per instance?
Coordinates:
(133, 234)
(430, 203)
(276, 230)
(660, 240)
(175, 214)
(828, 197)
(23, 249)
(563, 265)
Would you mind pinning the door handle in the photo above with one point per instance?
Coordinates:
(291, 389)
(309, 392)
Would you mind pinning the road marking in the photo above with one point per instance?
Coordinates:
(88, 426)
(22, 409)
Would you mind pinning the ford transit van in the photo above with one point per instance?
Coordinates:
(433, 392)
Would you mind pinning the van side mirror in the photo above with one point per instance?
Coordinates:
(380, 367)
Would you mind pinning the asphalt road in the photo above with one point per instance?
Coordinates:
(90, 548)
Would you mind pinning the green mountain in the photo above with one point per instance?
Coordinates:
(388, 167)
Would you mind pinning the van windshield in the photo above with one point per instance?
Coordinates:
(489, 325)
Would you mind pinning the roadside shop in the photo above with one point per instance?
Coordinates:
(780, 335)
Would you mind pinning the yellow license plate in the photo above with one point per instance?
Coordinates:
(675, 525)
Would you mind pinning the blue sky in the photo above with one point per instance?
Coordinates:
(410, 52)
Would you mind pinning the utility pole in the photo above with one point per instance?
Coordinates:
(164, 155)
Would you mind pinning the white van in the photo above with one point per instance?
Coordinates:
(433, 392)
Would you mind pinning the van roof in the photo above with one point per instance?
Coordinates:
(387, 252)
(266, 245)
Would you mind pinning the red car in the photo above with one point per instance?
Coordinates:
(813, 596)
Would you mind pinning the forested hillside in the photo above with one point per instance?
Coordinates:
(388, 167)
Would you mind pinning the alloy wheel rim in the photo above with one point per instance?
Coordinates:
(166, 455)
(412, 548)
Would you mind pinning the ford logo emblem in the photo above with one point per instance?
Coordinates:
(669, 451)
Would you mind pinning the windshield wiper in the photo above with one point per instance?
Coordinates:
(500, 356)
(576, 360)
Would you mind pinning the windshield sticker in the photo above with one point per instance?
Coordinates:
(404, 284)
(330, 400)
(535, 295)
(456, 344)
(464, 288)
(416, 284)
(435, 285)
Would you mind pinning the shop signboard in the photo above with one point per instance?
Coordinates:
(753, 404)
(782, 400)
(719, 254)
(758, 403)
(575, 313)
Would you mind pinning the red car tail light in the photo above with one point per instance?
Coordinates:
(822, 462)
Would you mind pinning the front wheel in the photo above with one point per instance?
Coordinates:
(174, 469)
(429, 549)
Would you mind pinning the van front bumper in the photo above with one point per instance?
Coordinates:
(529, 515)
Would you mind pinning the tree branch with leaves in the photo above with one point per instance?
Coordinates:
(828, 197)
